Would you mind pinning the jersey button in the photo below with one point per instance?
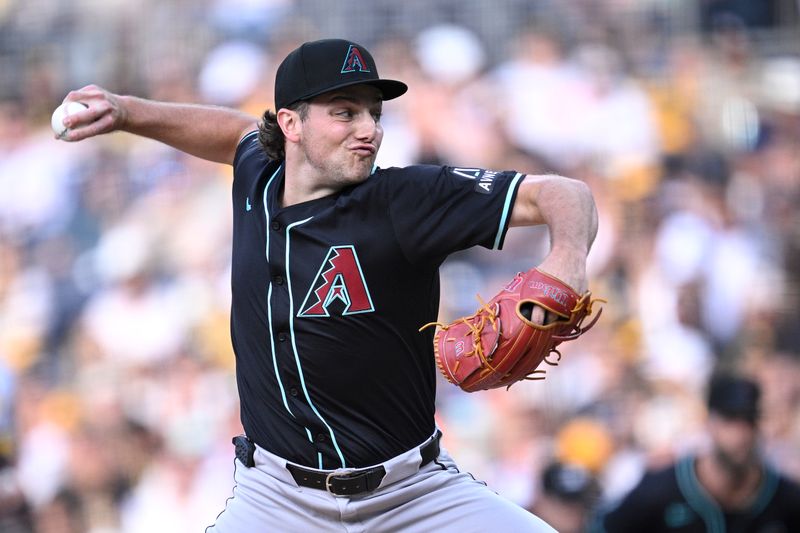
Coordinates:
(278, 280)
(321, 437)
(293, 391)
(282, 336)
(275, 225)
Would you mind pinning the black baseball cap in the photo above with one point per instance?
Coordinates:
(317, 67)
(734, 397)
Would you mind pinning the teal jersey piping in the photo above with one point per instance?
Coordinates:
(697, 498)
(246, 135)
(506, 210)
(269, 307)
(272, 349)
(767, 490)
(266, 205)
(294, 342)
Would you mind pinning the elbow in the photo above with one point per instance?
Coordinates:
(583, 201)
(580, 189)
(588, 197)
(570, 193)
(589, 207)
(543, 199)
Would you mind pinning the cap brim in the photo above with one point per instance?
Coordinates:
(749, 415)
(389, 89)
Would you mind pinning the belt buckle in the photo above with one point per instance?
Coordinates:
(339, 472)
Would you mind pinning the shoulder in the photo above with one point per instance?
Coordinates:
(664, 478)
(657, 484)
(250, 161)
(778, 496)
(641, 505)
(448, 177)
(787, 488)
(411, 172)
(396, 180)
(249, 150)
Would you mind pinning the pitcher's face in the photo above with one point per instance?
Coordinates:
(342, 133)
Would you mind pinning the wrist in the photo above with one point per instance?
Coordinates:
(572, 254)
(568, 265)
(123, 108)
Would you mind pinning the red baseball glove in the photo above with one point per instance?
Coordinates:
(499, 345)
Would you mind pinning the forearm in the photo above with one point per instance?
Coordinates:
(208, 132)
(565, 205)
(204, 131)
(568, 208)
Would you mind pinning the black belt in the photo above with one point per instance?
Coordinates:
(351, 482)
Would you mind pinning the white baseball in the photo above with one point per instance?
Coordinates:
(62, 111)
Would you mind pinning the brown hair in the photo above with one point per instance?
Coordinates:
(270, 134)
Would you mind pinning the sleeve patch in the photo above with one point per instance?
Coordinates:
(484, 179)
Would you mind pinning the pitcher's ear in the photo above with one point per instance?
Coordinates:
(290, 123)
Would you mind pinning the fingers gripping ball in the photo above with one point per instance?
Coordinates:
(61, 112)
(499, 345)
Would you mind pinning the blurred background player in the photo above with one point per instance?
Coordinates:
(567, 494)
(728, 487)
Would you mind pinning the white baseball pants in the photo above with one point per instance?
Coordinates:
(437, 497)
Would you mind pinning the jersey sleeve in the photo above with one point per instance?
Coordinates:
(249, 155)
(436, 210)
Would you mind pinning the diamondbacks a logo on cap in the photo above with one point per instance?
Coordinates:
(354, 61)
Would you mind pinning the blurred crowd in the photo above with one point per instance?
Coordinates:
(117, 390)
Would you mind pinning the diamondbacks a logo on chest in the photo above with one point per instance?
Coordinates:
(339, 281)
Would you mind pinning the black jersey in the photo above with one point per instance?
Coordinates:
(329, 296)
(673, 500)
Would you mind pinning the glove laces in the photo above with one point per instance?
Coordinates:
(476, 323)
